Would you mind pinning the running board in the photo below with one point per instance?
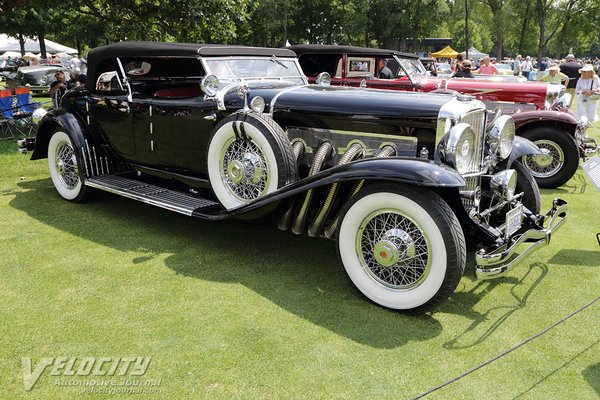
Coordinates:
(173, 200)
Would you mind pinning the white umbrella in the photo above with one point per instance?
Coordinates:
(31, 56)
(10, 54)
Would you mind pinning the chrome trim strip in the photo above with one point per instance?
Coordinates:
(486, 268)
(274, 100)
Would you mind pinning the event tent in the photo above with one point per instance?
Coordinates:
(475, 54)
(9, 43)
(446, 52)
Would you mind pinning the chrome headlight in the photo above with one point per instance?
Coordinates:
(553, 92)
(210, 85)
(501, 136)
(257, 104)
(562, 102)
(458, 148)
(323, 79)
(504, 184)
(44, 80)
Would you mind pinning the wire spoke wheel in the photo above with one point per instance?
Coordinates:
(401, 246)
(64, 166)
(244, 169)
(249, 156)
(394, 249)
(548, 163)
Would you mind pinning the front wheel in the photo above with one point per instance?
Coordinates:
(402, 247)
(559, 160)
(529, 187)
(64, 165)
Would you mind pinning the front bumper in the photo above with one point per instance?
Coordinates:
(496, 262)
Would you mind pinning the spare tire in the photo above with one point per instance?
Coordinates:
(249, 156)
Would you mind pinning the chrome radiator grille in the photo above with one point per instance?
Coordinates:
(477, 121)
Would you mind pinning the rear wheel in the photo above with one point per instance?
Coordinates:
(64, 165)
(402, 247)
(559, 160)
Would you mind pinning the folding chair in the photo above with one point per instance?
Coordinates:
(24, 110)
(12, 123)
(6, 115)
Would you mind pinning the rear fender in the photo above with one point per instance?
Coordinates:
(56, 119)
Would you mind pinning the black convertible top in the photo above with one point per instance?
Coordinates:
(158, 49)
(301, 49)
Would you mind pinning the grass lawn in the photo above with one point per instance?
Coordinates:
(227, 312)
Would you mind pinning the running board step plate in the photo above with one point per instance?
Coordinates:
(173, 200)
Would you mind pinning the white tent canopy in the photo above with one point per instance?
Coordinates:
(475, 54)
(9, 43)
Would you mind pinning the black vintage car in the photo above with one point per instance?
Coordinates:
(404, 182)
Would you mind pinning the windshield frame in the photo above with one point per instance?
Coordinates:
(408, 73)
(234, 79)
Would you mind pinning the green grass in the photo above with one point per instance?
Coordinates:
(230, 312)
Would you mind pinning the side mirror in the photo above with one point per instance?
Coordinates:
(210, 85)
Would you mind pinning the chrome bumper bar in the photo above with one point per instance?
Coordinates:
(498, 262)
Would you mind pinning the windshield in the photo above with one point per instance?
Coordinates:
(412, 67)
(234, 69)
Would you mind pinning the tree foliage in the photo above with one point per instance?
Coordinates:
(499, 27)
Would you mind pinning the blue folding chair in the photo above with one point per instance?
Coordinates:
(7, 123)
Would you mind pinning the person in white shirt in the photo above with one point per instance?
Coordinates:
(588, 93)
(526, 67)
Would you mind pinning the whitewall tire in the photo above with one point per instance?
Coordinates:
(249, 156)
(64, 165)
(402, 247)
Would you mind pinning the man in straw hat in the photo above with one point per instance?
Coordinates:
(588, 93)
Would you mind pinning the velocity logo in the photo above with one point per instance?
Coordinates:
(83, 366)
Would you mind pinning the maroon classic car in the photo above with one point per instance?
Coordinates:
(539, 109)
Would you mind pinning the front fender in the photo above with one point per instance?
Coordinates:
(410, 171)
(522, 147)
(58, 118)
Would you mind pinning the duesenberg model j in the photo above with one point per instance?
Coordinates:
(539, 109)
(404, 182)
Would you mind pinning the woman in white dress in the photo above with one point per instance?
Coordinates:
(588, 93)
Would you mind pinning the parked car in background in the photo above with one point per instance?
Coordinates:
(444, 70)
(8, 69)
(505, 69)
(38, 77)
(402, 181)
(538, 109)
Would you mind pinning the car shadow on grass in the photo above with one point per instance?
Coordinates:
(299, 274)
(485, 323)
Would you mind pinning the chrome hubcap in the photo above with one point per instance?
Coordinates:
(66, 165)
(245, 169)
(395, 245)
(393, 250)
(548, 163)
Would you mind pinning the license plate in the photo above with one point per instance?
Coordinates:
(513, 220)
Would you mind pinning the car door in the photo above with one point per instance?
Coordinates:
(110, 108)
(181, 128)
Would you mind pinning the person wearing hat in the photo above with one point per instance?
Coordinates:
(571, 69)
(588, 93)
(555, 76)
(464, 70)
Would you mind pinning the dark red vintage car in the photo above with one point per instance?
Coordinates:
(538, 109)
